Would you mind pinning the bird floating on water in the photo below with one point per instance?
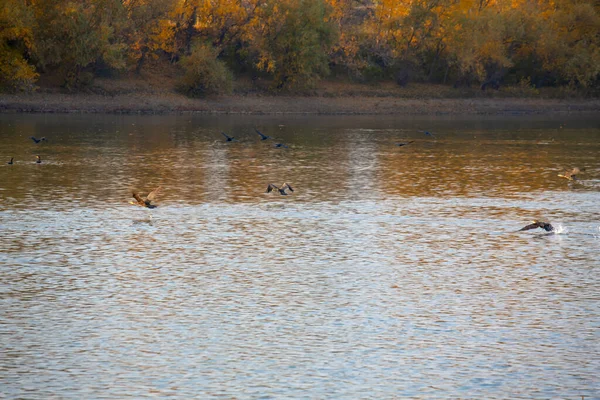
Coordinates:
(262, 135)
(229, 138)
(571, 174)
(11, 161)
(538, 224)
(145, 202)
(39, 160)
(281, 190)
(404, 143)
(43, 139)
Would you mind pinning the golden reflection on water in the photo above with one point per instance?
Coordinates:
(101, 161)
(390, 271)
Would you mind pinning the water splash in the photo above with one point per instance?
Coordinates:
(559, 229)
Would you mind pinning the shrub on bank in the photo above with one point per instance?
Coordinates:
(204, 74)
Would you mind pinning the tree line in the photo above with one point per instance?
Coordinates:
(296, 42)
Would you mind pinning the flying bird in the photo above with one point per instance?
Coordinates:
(570, 175)
(11, 161)
(538, 224)
(427, 133)
(262, 135)
(39, 160)
(280, 146)
(145, 202)
(43, 139)
(404, 143)
(282, 192)
(228, 138)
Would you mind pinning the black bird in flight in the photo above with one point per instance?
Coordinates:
(538, 224)
(229, 138)
(146, 201)
(571, 174)
(38, 140)
(11, 161)
(39, 160)
(280, 146)
(282, 192)
(262, 135)
(404, 143)
(427, 133)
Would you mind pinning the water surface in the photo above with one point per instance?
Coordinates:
(389, 271)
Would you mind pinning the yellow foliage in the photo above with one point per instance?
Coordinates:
(16, 38)
(300, 38)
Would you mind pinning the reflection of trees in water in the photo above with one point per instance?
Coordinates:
(362, 164)
(471, 168)
(97, 161)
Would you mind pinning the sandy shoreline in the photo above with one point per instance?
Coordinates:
(170, 103)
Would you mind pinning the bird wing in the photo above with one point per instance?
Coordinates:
(530, 226)
(138, 198)
(262, 135)
(570, 173)
(271, 187)
(152, 195)
(226, 136)
(285, 185)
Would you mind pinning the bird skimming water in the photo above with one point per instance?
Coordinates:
(37, 140)
(538, 224)
(281, 189)
(229, 138)
(145, 202)
(570, 174)
(262, 135)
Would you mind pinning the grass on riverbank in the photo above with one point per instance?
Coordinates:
(154, 92)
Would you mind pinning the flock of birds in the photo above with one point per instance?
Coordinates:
(38, 159)
(147, 200)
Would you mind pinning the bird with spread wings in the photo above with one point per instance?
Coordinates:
(538, 224)
(145, 201)
(281, 189)
(570, 174)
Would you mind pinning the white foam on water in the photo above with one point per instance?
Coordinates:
(559, 229)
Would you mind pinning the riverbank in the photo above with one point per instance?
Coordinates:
(327, 100)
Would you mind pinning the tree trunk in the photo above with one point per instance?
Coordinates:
(189, 32)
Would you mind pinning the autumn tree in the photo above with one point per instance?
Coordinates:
(148, 30)
(204, 73)
(292, 40)
(16, 46)
(70, 36)
(348, 17)
(295, 42)
(569, 43)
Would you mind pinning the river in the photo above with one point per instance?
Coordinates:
(389, 272)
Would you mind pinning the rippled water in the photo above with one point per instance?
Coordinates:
(389, 272)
